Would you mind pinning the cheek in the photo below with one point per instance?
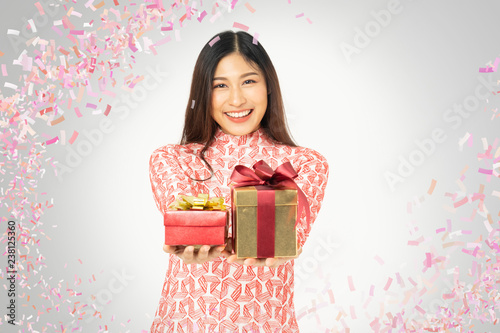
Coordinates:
(217, 101)
(261, 96)
(262, 100)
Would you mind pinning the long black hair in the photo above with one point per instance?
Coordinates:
(199, 126)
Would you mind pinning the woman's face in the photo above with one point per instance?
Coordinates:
(239, 96)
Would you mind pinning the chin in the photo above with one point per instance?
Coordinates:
(240, 131)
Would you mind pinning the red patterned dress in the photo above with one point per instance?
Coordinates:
(218, 296)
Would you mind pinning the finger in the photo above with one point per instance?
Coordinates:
(188, 255)
(169, 249)
(203, 253)
(231, 257)
(249, 261)
(279, 261)
(216, 251)
(255, 262)
(234, 259)
(271, 262)
(260, 262)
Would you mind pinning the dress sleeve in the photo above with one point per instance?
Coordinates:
(167, 177)
(312, 179)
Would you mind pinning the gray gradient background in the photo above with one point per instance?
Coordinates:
(361, 115)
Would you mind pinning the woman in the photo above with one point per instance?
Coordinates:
(234, 116)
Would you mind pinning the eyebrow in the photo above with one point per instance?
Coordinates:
(242, 76)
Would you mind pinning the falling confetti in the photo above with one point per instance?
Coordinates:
(64, 77)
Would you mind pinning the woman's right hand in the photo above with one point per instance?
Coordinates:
(189, 256)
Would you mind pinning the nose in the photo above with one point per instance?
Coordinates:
(237, 97)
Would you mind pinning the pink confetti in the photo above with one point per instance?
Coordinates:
(476, 249)
(77, 111)
(255, 38)
(353, 312)
(73, 137)
(485, 171)
(374, 324)
(330, 295)
(53, 140)
(416, 242)
(171, 25)
(299, 15)
(72, 39)
(428, 260)
(215, 17)
(213, 41)
(408, 207)
(163, 41)
(379, 260)
(419, 309)
(57, 30)
(92, 65)
(400, 280)
(412, 282)
(351, 283)
(40, 8)
(461, 202)
(202, 15)
(486, 70)
(108, 109)
(250, 8)
(388, 284)
(490, 69)
(240, 26)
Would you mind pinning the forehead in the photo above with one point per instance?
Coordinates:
(235, 64)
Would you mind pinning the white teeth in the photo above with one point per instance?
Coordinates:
(238, 114)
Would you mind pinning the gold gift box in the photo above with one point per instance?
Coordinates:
(244, 224)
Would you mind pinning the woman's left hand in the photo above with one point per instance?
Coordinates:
(269, 262)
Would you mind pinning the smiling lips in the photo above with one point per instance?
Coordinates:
(239, 116)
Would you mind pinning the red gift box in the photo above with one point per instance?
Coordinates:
(195, 227)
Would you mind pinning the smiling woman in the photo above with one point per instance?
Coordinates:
(234, 116)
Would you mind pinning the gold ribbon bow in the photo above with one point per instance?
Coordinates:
(201, 202)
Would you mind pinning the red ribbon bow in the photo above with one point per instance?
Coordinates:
(264, 175)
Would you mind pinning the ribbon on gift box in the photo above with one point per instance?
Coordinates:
(265, 180)
(201, 202)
